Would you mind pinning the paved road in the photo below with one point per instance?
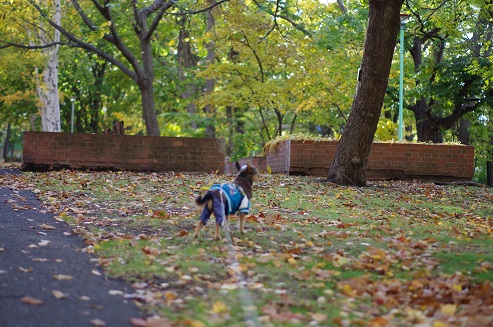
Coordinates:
(31, 257)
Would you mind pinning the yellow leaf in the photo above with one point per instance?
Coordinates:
(197, 323)
(292, 260)
(439, 324)
(448, 309)
(342, 261)
(269, 170)
(347, 290)
(219, 307)
(62, 277)
(457, 287)
(57, 294)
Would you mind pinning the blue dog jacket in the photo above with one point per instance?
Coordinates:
(234, 200)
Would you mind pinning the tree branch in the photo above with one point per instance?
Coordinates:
(194, 12)
(84, 45)
(84, 17)
(29, 47)
(164, 7)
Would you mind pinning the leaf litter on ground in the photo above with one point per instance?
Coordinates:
(396, 253)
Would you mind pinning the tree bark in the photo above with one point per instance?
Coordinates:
(187, 60)
(489, 173)
(146, 86)
(463, 135)
(348, 167)
(6, 143)
(47, 87)
(210, 129)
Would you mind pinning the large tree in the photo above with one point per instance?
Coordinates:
(448, 55)
(110, 22)
(351, 157)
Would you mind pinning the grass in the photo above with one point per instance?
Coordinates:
(314, 253)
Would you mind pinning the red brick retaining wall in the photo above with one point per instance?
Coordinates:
(386, 160)
(43, 150)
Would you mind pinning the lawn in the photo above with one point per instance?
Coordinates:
(315, 254)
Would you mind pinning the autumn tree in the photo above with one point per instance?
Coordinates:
(19, 30)
(354, 146)
(448, 58)
(133, 42)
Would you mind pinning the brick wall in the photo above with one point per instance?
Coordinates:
(147, 153)
(386, 160)
(43, 150)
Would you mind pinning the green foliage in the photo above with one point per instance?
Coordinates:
(279, 68)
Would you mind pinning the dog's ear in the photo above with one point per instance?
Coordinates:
(237, 165)
(250, 169)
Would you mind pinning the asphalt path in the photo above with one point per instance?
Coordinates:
(45, 278)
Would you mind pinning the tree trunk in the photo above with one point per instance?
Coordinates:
(210, 129)
(425, 128)
(145, 80)
(489, 173)
(150, 118)
(348, 167)
(464, 135)
(231, 133)
(187, 60)
(47, 88)
(6, 143)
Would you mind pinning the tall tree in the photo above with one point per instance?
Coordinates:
(351, 157)
(20, 30)
(109, 22)
(448, 57)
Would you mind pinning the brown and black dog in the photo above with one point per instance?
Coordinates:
(226, 199)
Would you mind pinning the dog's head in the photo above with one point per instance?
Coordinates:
(247, 171)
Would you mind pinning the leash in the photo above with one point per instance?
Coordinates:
(244, 295)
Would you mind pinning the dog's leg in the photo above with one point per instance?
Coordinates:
(242, 222)
(197, 229)
(218, 234)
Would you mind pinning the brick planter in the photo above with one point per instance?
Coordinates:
(44, 151)
(386, 160)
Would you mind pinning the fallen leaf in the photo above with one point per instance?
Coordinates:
(448, 309)
(48, 227)
(62, 277)
(378, 322)
(115, 292)
(138, 322)
(219, 307)
(59, 295)
(26, 270)
(31, 300)
(197, 323)
(97, 322)
(319, 317)
(153, 321)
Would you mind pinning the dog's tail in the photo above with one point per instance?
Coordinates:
(200, 200)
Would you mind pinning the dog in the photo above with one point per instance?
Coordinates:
(226, 199)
